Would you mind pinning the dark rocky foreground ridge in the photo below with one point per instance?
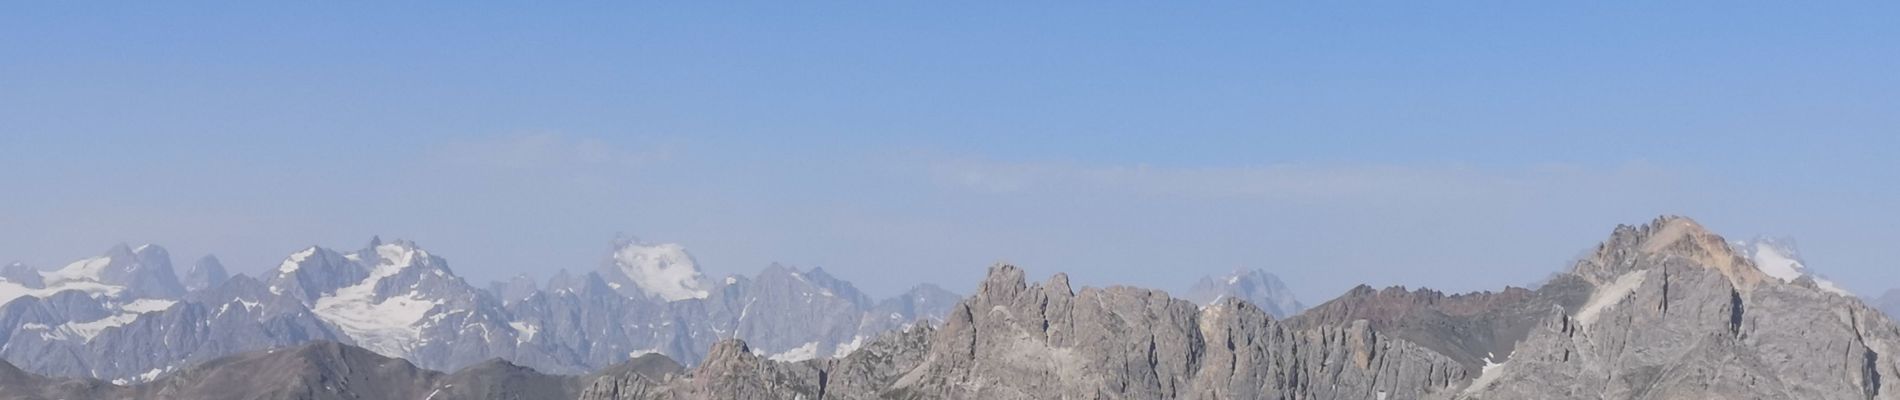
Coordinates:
(1664, 310)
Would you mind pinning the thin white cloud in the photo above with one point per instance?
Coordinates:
(545, 151)
(1292, 182)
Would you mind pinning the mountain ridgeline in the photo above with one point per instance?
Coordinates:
(127, 317)
(1663, 310)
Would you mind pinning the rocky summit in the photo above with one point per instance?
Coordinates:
(1663, 310)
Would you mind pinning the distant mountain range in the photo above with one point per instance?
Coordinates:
(126, 316)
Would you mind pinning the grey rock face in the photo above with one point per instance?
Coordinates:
(515, 289)
(146, 272)
(793, 315)
(1258, 287)
(1013, 340)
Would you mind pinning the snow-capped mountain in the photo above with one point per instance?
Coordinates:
(1779, 258)
(1255, 286)
(384, 312)
(664, 271)
(125, 317)
(51, 315)
(122, 272)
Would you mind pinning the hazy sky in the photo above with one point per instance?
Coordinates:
(1457, 148)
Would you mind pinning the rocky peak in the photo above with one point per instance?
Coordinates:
(311, 273)
(207, 272)
(730, 350)
(1001, 285)
(1255, 286)
(1667, 240)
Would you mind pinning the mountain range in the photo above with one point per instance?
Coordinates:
(126, 316)
(1663, 310)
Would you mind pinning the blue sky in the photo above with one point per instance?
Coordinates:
(1461, 148)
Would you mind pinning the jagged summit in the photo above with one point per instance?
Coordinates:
(1667, 240)
(120, 272)
(1681, 241)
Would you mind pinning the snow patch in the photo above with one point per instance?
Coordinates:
(845, 349)
(1830, 287)
(47, 333)
(295, 261)
(142, 306)
(637, 353)
(79, 331)
(1771, 261)
(525, 330)
(148, 376)
(1777, 258)
(807, 351)
(1487, 375)
(90, 269)
(10, 290)
(1610, 295)
(662, 270)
